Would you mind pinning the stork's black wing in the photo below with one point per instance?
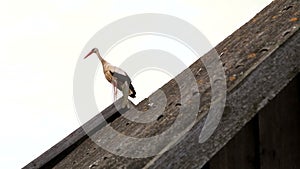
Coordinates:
(132, 90)
(121, 78)
(124, 78)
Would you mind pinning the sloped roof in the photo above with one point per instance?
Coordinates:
(259, 59)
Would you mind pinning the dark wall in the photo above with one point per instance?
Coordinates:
(271, 140)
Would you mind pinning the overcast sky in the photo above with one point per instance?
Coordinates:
(41, 42)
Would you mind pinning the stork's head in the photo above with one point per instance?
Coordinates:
(94, 50)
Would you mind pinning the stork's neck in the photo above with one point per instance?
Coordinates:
(101, 59)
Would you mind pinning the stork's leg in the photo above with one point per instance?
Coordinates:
(125, 91)
(115, 92)
(114, 83)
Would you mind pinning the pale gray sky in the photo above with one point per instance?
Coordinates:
(41, 42)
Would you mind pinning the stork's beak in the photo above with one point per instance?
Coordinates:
(91, 52)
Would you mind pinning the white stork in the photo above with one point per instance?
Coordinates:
(117, 77)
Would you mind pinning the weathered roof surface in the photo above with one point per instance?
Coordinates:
(259, 59)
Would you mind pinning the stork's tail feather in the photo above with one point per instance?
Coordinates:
(132, 91)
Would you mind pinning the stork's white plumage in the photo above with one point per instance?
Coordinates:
(117, 77)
